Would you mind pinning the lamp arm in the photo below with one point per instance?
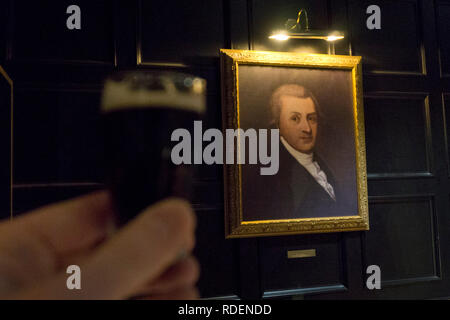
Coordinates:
(298, 20)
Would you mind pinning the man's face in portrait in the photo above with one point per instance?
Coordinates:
(298, 122)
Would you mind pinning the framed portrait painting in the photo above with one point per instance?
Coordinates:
(299, 161)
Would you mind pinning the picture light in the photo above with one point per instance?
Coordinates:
(293, 30)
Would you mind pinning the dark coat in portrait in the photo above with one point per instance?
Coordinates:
(292, 193)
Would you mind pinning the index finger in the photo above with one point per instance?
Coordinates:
(67, 226)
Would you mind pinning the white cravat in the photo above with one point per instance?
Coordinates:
(306, 160)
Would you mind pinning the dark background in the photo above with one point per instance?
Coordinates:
(57, 77)
(5, 140)
(335, 142)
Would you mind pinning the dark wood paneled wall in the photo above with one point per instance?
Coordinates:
(6, 89)
(58, 74)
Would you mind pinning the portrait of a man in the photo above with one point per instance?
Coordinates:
(305, 185)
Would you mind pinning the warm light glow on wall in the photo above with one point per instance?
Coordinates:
(279, 36)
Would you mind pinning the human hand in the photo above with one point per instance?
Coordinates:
(140, 260)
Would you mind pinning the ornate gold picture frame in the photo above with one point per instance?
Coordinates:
(310, 195)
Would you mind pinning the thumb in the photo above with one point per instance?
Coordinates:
(143, 250)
